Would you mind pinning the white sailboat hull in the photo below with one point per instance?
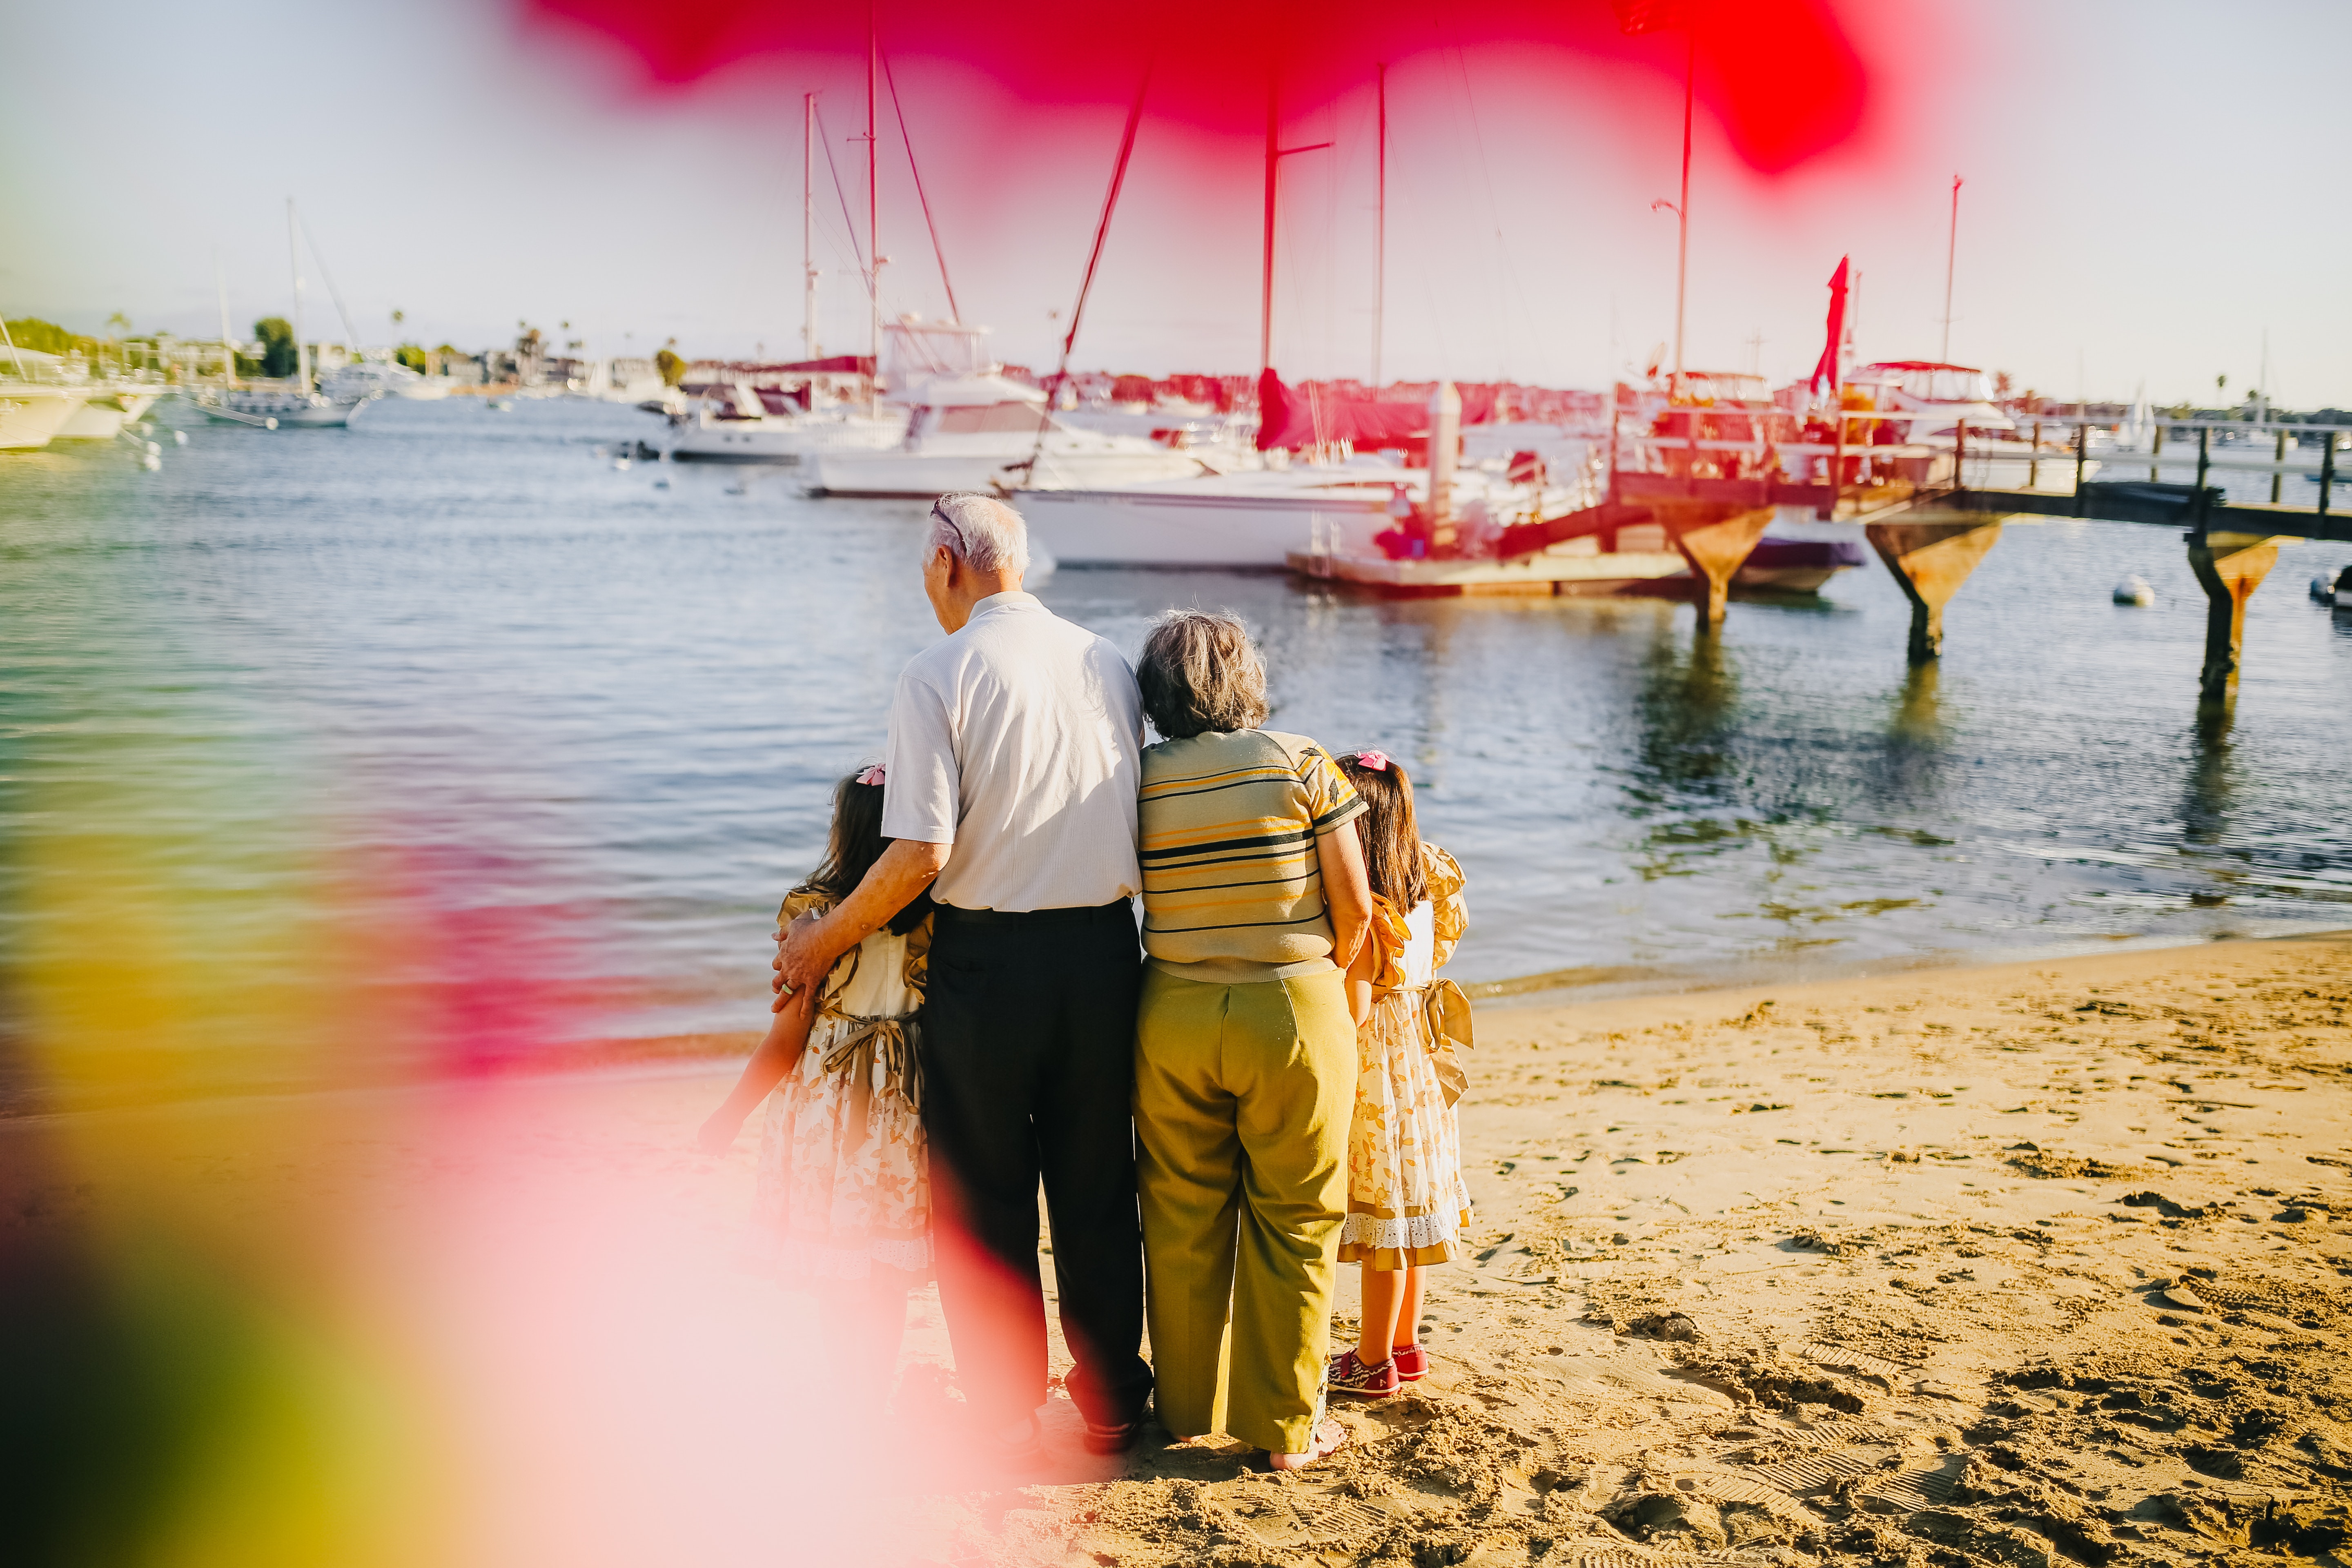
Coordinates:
(784, 444)
(288, 409)
(31, 415)
(1173, 528)
(921, 475)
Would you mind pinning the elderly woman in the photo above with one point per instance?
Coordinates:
(1254, 904)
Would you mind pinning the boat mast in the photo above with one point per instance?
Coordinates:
(1266, 290)
(808, 226)
(873, 228)
(229, 351)
(1274, 153)
(1951, 252)
(1682, 212)
(294, 259)
(1381, 232)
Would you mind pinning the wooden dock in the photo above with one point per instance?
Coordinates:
(1556, 572)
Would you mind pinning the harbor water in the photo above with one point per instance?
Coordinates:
(317, 744)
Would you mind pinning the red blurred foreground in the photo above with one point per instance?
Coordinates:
(1782, 76)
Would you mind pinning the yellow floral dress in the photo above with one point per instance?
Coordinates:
(1407, 1205)
(844, 1180)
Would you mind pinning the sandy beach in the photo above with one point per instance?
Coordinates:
(2037, 1264)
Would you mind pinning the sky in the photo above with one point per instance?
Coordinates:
(2149, 185)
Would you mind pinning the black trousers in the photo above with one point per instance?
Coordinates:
(1028, 1051)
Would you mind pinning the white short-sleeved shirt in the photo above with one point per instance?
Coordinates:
(1015, 740)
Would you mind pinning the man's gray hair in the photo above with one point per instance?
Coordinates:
(981, 532)
(1201, 672)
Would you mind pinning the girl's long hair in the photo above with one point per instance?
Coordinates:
(1391, 837)
(857, 843)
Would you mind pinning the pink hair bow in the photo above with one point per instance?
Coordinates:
(1376, 761)
(872, 776)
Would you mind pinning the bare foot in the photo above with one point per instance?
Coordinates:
(1329, 1440)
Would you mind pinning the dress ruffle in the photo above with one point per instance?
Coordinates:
(1407, 1203)
(845, 1183)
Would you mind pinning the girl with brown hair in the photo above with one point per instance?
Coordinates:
(844, 1193)
(1407, 1203)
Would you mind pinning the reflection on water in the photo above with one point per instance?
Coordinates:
(1688, 705)
(442, 728)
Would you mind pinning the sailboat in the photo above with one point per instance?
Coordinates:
(1260, 516)
(741, 427)
(967, 421)
(299, 405)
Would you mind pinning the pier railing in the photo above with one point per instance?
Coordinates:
(2179, 470)
(1933, 507)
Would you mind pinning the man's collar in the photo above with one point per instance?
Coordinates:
(1011, 599)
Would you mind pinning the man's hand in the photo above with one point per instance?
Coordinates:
(803, 958)
(810, 945)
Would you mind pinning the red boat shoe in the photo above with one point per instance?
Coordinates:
(1408, 1362)
(1348, 1375)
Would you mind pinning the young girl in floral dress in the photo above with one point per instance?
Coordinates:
(1407, 1205)
(845, 1188)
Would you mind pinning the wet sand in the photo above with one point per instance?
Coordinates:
(2039, 1264)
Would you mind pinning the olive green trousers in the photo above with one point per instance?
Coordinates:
(1242, 1098)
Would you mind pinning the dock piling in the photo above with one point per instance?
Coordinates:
(1717, 541)
(2229, 567)
(1931, 554)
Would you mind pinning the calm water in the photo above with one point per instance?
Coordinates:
(448, 709)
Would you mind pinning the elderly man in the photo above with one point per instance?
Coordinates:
(1012, 770)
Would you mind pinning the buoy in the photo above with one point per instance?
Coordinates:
(621, 464)
(179, 437)
(2323, 588)
(2134, 591)
(153, 449)
(151, 462)
(270, 423)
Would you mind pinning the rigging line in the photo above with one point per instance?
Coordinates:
(945, 283)
(1494, 208)
(1094, 259)
(329, 277)
(848, 223)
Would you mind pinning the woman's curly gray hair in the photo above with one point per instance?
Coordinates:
(1201, 672)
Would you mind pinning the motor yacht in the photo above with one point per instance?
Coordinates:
(32, 411)
(113, 404)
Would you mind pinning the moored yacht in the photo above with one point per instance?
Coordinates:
(964, 432)
(113, 404)
(297, 404)
(106, 406)
(32, 411)
(276, 404)
(1951, 407)
(1261, 517)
